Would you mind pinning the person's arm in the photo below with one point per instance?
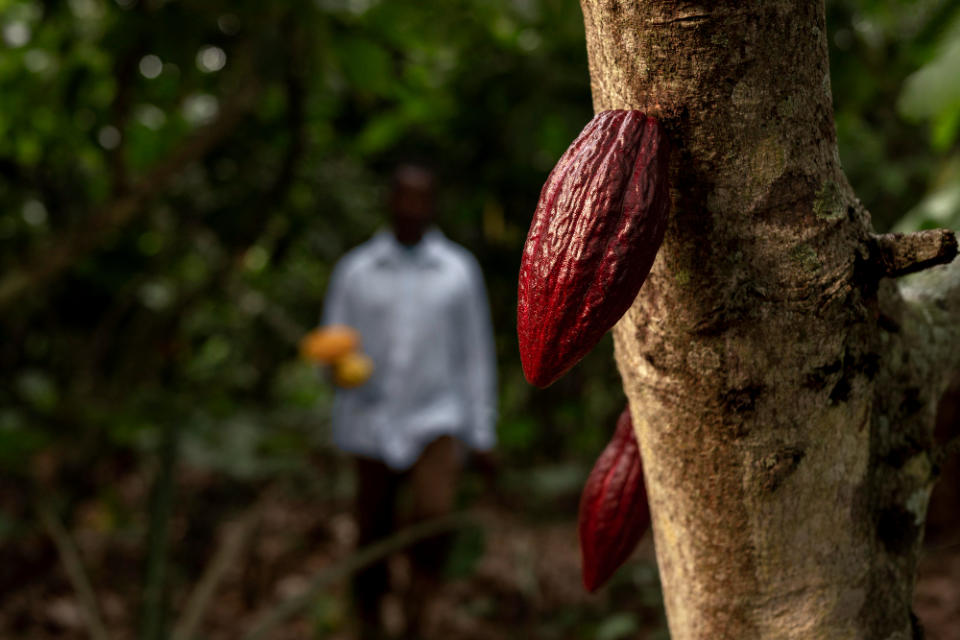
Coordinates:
(336, 311)
(336, 308)
(479, 364)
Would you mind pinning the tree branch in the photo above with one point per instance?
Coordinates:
(899, 254)
(124, 75)
(56, 257)
(72, 564)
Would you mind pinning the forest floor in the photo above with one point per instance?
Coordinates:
(517, 575)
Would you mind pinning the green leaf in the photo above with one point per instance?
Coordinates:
(367, 66)
(617, 626)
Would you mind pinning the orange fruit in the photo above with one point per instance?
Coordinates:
(328, 344)
(352, 370)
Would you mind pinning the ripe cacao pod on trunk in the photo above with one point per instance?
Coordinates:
(614, 513)
(596, 230)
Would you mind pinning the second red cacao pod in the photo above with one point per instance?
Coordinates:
(614, 513)
(598, 225)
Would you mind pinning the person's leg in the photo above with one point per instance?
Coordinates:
(434, 480)
(374, 511)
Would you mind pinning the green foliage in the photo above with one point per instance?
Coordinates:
(893, 71)
(467, 549)
(615, 627)
(196, 298)
(184, 309)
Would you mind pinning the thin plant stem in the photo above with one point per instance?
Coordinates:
(153, 620)
(73, 565)
(225, 557)
(268, 621)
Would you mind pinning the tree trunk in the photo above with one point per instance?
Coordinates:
(782, 386)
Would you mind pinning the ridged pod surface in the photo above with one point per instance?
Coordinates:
(614, 513)
(598, 225)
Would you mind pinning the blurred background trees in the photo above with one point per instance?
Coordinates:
(177, 179)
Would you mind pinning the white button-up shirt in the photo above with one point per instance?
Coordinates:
(423, 318)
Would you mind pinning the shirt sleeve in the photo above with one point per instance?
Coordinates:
(336, 308)
(481, 375)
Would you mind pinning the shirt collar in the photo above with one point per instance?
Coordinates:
(426, 252)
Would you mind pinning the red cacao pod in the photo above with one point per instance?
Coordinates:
(614, 513)
(597, 228)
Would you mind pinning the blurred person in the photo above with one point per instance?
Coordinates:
(418, 301)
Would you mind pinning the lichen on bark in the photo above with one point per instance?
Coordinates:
(782, 391)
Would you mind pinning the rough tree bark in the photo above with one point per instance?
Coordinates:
(782, 384)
